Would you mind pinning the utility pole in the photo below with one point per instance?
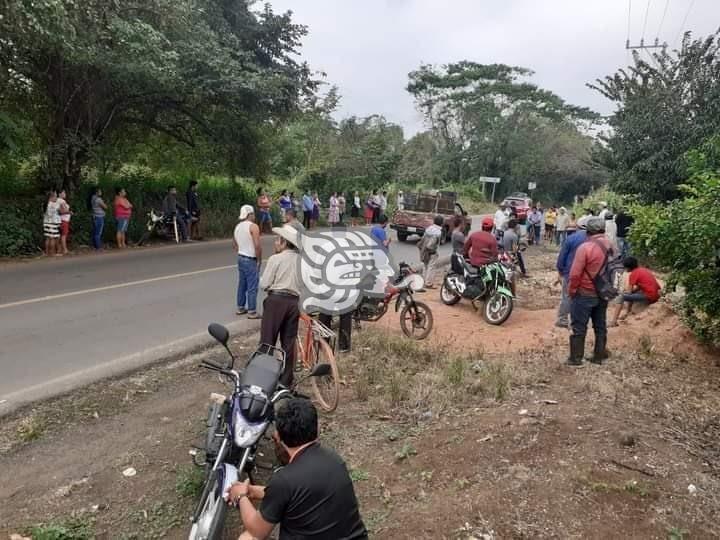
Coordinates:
(656, 45)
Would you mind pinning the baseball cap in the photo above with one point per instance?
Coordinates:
(487, 223)
(246, 210)
(595, 225)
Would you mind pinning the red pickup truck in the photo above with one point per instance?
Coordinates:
(419, 211)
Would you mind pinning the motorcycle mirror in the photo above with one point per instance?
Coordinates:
(219, 332)
(321, 370)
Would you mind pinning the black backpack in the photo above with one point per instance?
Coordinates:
(606, 278)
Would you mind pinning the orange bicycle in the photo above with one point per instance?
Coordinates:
(312, 349)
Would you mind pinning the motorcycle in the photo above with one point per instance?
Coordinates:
(236, 424)
(416, 318)
(161, 226)
(488, 285)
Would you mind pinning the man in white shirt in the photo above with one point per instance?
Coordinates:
(603, 209)
(383, 203)
(400, 201)
(246, 243)
(499, 219)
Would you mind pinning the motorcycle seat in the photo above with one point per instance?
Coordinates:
(471, 270)
(262, 371)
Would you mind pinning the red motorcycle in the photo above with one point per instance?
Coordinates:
(416, 318)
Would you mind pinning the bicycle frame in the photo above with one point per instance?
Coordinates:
(316, 330)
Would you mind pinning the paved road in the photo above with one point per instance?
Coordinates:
(65, 322)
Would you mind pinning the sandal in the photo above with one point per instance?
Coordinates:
(254, 315)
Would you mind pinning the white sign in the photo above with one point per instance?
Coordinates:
(531, 186)
(489, 179)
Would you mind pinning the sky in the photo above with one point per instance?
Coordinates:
(368, 47)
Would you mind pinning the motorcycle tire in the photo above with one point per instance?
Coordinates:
(447, 295)
(497, 316)
(216, 527)
(408, 320)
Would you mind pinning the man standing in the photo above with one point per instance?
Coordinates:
(307, 203)
(499, 219)
(292, 220)
(481, 246)
(263, 204)
(428, 246)
(624, 222)
(311, 497)
(173, 211)
(535, 222)
(400, 201)
(246, 242)
(561, 226)
(563, 265)
(379, 233)
(193, 206)
(585, 304)
(511, 245)
(603, 209)
(383, 203)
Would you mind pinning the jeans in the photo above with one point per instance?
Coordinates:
(564, 307)
(537, 230)
(307, 216)
(623, 246)
(98, 222)
(635, 297)
(584, 308)
(248, 274)
(560, 237)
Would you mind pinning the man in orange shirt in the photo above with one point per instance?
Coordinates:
(585, 304)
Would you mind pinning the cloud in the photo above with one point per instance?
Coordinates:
(368, 47)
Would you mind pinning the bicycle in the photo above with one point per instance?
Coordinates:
(312, 349)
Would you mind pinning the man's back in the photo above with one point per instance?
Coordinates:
(567, 252)
(313, 498)
(510, 240)
(481, 246)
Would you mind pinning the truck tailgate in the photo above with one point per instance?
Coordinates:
(406, 218)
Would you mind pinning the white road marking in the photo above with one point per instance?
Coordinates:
(111, 287)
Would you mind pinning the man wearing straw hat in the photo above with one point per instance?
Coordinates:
(281, 306)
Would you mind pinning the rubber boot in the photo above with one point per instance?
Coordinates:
(577, 350)
(600, 352)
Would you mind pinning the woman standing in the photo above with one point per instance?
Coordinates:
(369, 210)
(281, 309)
(355, 210)
(65, 215)
(97, 207)
(51, 224)
(572, 224)
(342, 203)
(334, 211)
(123, 211)
(315, 210)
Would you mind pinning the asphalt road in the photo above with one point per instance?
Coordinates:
(68, 321)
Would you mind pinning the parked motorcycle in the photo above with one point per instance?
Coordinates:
(160, 226)
(488, 285)
(416, 318)
(236, 424)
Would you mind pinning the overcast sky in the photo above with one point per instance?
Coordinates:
(367, 47)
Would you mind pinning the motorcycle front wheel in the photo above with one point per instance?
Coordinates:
(447, 295)
(211, 520)
(416, 320)
(497, 309)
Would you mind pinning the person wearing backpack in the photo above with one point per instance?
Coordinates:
(591, 287)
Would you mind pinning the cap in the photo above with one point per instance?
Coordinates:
(287, 232)
(246, 210)
(595, 225)
(487, 223)
(582, 222)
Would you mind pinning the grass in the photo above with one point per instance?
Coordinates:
(358, 475)
(189, 481)
(407, 450)
(70, 529)
(30, 428)
(632, 487)
(675, 533)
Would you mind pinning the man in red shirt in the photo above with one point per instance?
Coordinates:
(642, 288)
(585, 304)
(481, 246)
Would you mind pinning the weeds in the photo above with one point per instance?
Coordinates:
(405, 452)
(189, 481)
(645, 346)
(455, 371)
(30, 428)
(358, 475)
(496, 379)
(71, 529)
(675, 533)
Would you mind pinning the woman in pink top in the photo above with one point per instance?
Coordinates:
(123, 210)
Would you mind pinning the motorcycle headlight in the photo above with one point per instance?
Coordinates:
(245, 433)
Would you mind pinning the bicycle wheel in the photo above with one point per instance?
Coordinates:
(327, 387)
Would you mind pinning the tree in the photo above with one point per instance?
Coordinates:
(665, 108)
(210, 69)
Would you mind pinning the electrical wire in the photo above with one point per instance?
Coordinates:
(682, 26)
(647, 10)
(627, 42)
(662, 21)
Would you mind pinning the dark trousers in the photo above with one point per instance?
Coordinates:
(307, 216)
(344, 340)
(521, 263)
(584, 308)
(280, 320)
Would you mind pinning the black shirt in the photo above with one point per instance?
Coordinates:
(623, 222)
(313, 498)
(193, 202)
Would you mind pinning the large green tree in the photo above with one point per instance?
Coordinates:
(85, 71)
(666, 106)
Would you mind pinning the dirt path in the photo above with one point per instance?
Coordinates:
(479, 432)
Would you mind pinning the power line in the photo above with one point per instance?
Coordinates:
(682, 26)
(667, 3)
(647, 10)
(627, 41)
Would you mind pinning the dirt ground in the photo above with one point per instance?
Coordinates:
(477, 432)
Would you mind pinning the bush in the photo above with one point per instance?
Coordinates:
(684, 238)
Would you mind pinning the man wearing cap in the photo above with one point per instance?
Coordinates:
(481, 246)
(280, 308)
(585, 304)
(563, 265)
(246, 242)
